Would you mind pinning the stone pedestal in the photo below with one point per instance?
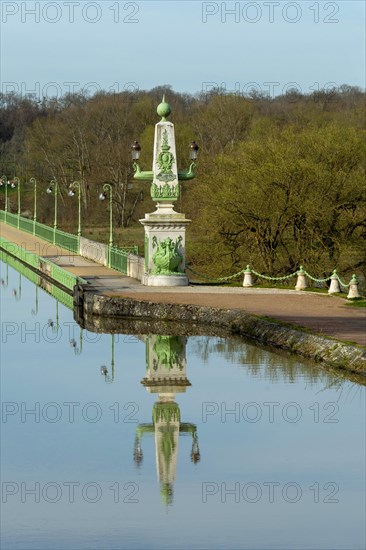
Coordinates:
(165, 238)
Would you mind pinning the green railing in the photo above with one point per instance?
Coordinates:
(65, 240)
(27, 257)
(68, 241)
(24, 224)
(43, 232)
(118, 259)
(55, 272)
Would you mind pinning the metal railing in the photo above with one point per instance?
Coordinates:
(68, 241)
(118, 259)
(55, 272)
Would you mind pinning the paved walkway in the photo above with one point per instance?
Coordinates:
(323, 314)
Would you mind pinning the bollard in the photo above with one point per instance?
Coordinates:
(353, 288)
(334, 284)
(248, 279)
(301, 280)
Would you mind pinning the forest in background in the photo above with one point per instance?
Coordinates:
(280, 181)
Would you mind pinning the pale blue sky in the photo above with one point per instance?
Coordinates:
(183, 43)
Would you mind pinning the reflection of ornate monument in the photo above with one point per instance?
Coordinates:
(166, 376)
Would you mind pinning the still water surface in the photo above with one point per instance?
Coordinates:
(157, 441)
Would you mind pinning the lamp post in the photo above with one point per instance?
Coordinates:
(34, 182)
(17, 183)
(71, 193)
(108, 189)
(165, 228)
(53, 188)
(4, 181)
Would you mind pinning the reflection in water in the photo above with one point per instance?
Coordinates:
(78, 349)
(5, 282)
(276, 367)
(109, 378)
(55, 324)
(166, 376)
(35, 309)
(324, 448)
(18, 293)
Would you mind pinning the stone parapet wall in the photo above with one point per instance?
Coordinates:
(92, 250)
(135, 266)
(326, 351)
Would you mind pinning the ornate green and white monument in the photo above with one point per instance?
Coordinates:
(165, 229)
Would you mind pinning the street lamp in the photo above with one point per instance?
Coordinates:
(53, 188)
(34, 182)
(71, 193)
(193, 150)
(16, 182)
(107, 188)
(4, 181)
(135, 150)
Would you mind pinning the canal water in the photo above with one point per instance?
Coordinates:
(169, 441)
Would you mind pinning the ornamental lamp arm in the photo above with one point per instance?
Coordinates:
(142, 175)
(187, 174)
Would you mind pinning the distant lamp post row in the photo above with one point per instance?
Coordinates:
(16, 183)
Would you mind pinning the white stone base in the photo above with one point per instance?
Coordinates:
(165, 280)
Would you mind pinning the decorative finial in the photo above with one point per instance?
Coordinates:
(163, 109)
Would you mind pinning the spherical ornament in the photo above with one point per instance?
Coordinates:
(164, 109)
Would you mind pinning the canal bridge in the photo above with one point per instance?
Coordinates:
(328, 316)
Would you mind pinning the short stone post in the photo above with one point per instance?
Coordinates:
(301, 279)
(334, 287)
(353, 288)
(248, 279)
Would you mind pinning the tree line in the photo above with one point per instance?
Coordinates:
(280, 181)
